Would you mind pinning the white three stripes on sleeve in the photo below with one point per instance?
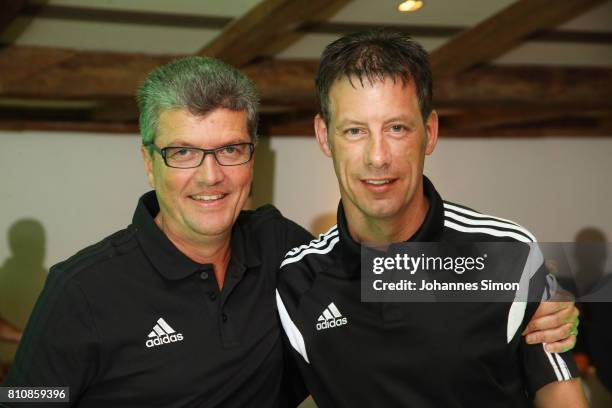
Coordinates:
(561, 370)
(322, 245)
(484, 219)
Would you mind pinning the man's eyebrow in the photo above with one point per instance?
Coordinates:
(180, 143)
(183, 143)
(236, 141)
(347, 122)
(401, 118)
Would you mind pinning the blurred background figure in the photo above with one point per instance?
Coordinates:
(593, 285)
(8, 333)
(22, 276)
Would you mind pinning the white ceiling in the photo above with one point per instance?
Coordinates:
(109, 36)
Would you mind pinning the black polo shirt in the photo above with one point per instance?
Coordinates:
(357, 354)
(132, 322)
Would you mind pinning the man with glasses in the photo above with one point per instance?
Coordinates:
(178, 309)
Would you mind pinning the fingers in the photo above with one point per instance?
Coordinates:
(557, 316)
(547, 308)
(561, 346)
(551, 335)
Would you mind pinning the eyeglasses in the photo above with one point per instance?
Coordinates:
(189, 157)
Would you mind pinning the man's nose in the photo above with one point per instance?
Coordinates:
(210, 171)
(378, 154)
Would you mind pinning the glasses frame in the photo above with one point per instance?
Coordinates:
(162, 152)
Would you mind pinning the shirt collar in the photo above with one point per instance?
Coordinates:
(429, 231)
(169, 261)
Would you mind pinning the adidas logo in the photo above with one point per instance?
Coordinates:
(163, 334)
(331, 317)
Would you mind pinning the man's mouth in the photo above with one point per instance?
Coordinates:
(207, 197)
(378, 182)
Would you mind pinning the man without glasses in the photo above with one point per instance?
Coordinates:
(377, 124)
(178, 309)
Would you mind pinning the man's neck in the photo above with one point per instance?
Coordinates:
(215, 250)
(381, 231)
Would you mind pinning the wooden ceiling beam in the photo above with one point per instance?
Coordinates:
(56, 73)
(9, 10)
(105, 15)
(526, 85)
(268, 27)
(502, 32)
(69, 126)
(491, 117)
(570, 127)
(49, 73)
(304, 128)
(301, 124)
(315, 26)
(530, 131)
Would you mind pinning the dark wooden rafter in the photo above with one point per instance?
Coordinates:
(440, 31)
(103, 75)
(499, 116)
(56, 73)
(268, 27)
(314, 26)
(9, 10)
(69, 126)
(502, 32)
(499, 100)
(109, 15)
(303, 126)
(527, 85)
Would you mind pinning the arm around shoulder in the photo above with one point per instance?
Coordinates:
(561, 394)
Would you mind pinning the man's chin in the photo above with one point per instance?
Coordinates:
(213, 231)
(379, 213)
(212, 225)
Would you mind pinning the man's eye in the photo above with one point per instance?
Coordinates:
(397, 128)
(181, 153)
(352, 131)
(231, 150)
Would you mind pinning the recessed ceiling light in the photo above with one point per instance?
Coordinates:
(409, 6)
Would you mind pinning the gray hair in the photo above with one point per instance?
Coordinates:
(198, 84)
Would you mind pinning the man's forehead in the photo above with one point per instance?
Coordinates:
(181, 124)
(369, 81)
(194, 114)
(348, 94)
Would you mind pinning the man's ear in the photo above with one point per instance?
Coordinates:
(431, 127)
(148, 163)
(322, 135)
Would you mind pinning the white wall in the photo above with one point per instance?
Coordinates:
(553, 186)
(82, 187)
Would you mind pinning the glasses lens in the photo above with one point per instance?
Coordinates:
(189, 157)
(183, 157)
(232, 155)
